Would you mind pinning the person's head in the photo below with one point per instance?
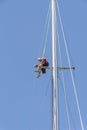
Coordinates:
(42, 59)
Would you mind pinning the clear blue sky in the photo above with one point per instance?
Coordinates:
(25, 101)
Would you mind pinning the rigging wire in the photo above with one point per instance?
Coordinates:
(46, 24)
(70, 114)
(44, 30)
(73, 82)
(63, 84)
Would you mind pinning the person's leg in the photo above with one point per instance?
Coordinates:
(39, 70)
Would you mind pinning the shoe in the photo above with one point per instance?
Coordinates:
(36, 71)
(35, 65)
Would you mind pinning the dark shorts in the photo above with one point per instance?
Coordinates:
(43, 69)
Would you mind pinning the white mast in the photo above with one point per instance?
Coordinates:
(54, 65)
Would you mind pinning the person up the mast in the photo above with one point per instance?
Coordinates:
(42, 66)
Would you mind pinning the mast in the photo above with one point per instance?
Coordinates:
(54, 72)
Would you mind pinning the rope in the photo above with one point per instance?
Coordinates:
(63, 84)
(48, 23)
(73, 82)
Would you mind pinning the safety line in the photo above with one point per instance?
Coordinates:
(73, 82)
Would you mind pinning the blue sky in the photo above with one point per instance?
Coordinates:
(25, 101)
